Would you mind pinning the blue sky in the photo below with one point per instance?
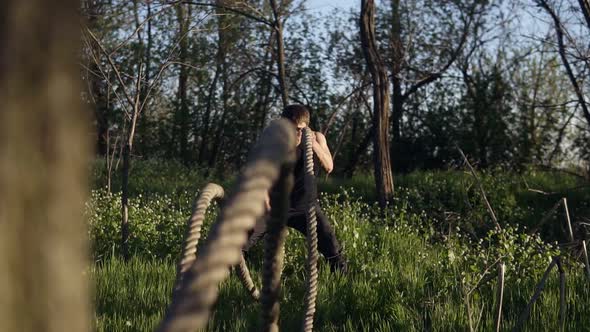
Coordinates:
(326, 6)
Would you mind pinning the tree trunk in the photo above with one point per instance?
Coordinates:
(217, 141)
(143, 125)
(278, 27)
(585, 7)
(204, 132)
(266, 85)
(205, 153)
(363, 146)
(125, 202)
(183, 111)
(397, 60)
(101, 110)
(125, 181)
(396, 125)
(44, 154)
(397, 112)
(382, 161)
(148, 53)
(92, 11)
(223, 21)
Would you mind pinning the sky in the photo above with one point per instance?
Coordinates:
(326, 6)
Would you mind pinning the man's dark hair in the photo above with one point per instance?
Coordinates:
(296, 113)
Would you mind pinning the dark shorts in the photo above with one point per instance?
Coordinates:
(328, 246)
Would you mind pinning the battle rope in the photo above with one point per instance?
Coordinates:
(246, 279)
(312, 235)
(274, 250)
(210, 192)
(191, 304)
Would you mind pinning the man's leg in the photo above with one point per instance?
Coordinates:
(328, 246)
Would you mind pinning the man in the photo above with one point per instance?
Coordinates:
(296, 217)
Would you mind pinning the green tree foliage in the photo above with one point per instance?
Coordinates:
(486, 117)
(541, 112)
(209, 83)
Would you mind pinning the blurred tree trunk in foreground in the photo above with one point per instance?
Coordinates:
(43, 154)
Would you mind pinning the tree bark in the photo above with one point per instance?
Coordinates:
(382, 161)
(125, 201)
(183, 120)
(397, 101)
(130, 134)
(266, 84)
(44, 153)
(397, 60)
(585, 7)
(143, 125)
(92, 11)
(206, 154)
(278, 27)
(204, 132)
(223, 21)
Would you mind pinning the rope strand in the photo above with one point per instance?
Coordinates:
(274, 251)
(195, 223)
(312, 235)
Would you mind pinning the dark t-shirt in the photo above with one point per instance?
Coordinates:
(297, 198)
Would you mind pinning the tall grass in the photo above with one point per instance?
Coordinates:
(395, 287)
(409, 270)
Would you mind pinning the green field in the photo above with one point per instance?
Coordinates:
(409, 271)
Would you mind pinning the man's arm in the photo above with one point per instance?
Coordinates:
(320, 148)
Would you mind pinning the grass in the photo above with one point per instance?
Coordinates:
(409, 271)
(401, 291)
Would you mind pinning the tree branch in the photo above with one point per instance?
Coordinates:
(560, 32)
(454, 55)
(113, 66)
(228, 8)
(337, 108)
(585, 7)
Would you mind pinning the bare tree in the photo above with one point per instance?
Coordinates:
(585, 8)
(277, 24)
(98, 91)
(408, 69)
(182, 118)
(133, 100)
(376, 66)
(560, 33)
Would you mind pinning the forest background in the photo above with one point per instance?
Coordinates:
(197, 82)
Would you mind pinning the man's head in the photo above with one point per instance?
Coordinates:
(299, 116)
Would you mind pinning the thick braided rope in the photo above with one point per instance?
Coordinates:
(189, 253)
(191, 305)
(210, 192)
(195, 223)
(246, 279)
(274, 250)
(312, 235)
